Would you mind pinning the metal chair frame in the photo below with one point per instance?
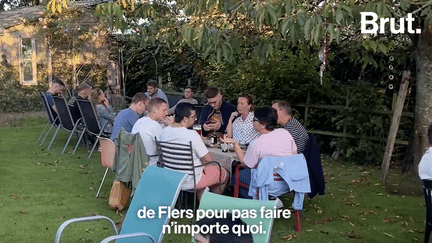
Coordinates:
(51, 120)
(66, 120)
(239, 184)
(150, 194)
(87, 124)
(169, 151)
(99, 217)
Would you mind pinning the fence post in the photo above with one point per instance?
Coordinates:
(307, 108)
(160, 82)
(395, 125)
(345, 127)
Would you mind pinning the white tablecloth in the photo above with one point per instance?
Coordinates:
(224, 159)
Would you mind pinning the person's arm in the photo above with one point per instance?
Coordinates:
(163, 96)
(229, 129)
(106, 113)
(206, 159)
(203, 115)
(203, 118)
(200, 149)
(169, 120)
(237, 149)
(51, 102)
(213, 126)
(226, 110)
(172, 109)
(239, 152)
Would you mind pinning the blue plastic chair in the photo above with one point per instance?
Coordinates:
(157, 187)
(213, 201)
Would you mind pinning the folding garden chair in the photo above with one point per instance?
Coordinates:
(107, 157)
(213, 201)
(157, 187)
(53, 120)
(292, 169)
(42, 98)
(66, 121)
(130, 159)
(91, 123)
(427, 191)
(179, 157)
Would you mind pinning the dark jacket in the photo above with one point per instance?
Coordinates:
(226, 109)
(313, 159)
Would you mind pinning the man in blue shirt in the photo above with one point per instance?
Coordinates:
(154, 92)
(127, 117)
(56, 88)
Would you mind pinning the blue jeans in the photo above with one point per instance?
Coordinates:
(245, 178)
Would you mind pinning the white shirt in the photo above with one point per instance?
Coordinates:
(425, 165)
(148, 130)
(185, 136)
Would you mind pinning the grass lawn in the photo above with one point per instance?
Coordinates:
(40, 189)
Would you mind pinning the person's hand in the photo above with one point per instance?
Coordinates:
(215, 126)
(234, 114)
(105, 102)
(226, 139)
(169, 120)
(206, 127)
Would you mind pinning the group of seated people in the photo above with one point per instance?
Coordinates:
(105, 112)
(265, 131)
(268, 131)
(84, 91)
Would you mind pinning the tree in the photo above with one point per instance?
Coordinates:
(214, 28)
(11, 4)
(328, 21)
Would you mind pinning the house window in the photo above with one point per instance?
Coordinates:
(28, 72)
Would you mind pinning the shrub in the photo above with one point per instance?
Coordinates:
(15, 97)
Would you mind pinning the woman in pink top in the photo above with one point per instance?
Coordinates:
(271, 142)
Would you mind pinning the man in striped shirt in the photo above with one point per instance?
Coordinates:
(292, 125)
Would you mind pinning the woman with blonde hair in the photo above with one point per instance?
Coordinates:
(104, 111)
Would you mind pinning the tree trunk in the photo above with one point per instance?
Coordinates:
(423, 109)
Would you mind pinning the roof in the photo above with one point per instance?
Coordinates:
(16, 16)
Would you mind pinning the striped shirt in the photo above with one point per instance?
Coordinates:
(298, 132)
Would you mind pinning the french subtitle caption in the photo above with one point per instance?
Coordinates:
(174, 227)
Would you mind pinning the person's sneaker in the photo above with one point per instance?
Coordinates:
(279, 203)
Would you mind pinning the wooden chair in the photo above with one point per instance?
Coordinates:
(107, 157)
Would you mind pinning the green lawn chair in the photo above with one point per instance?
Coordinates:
(214, 201)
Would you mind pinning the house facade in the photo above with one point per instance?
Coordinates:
(73, 46)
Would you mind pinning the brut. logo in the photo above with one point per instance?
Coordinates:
(365, 23)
